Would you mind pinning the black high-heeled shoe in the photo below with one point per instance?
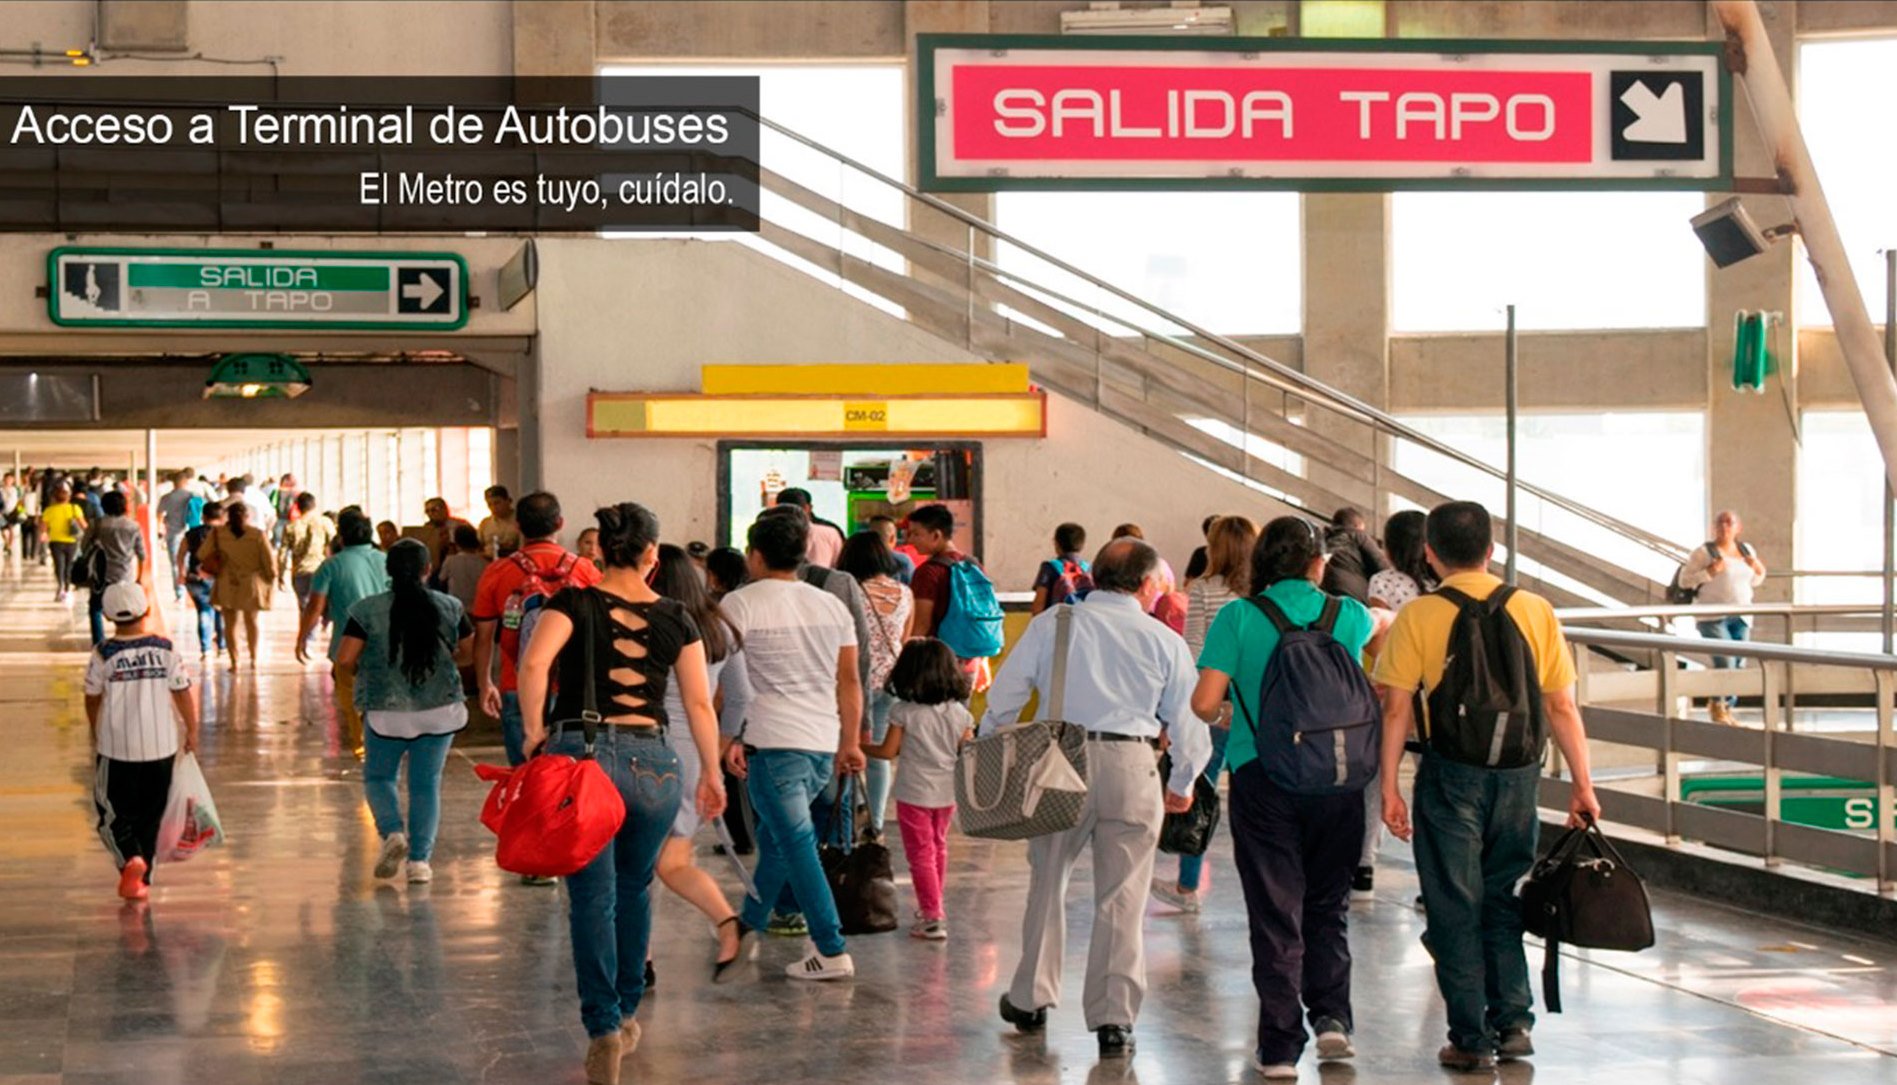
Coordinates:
(720, 966)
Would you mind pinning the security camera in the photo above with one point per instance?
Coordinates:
(1730, 235)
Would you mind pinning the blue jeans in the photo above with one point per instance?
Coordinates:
(382, 760)
(609, 902)
(513, 731)
(782, 785)
(1475, 838)
(881, 773)
(1190, 866)
(1732, 627)
(210, 619)
(95, 615)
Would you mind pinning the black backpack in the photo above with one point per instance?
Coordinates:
(1589, 898)
(1487, 709)
(1682, 597)
(1318, 725)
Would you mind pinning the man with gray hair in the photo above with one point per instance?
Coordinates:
(1128, 678)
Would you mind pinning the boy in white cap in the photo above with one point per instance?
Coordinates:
(134, 682)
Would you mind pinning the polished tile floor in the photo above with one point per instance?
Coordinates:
(276, 961)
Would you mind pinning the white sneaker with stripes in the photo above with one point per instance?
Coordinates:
(818, 967)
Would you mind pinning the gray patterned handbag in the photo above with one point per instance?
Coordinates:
(1030, 779)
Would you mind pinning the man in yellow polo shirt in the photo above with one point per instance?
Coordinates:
(1476, 811)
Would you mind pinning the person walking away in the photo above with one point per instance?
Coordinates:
(32, 547)
(198, 583)
(283, 505)
(121, 546)
(826, 538)
(1726, 571)
(1201, 555)
(508, 593)
(1354, 556)
(245, 570)
(1065, 577)
(352, 574)
(1128, 680)
(805, 721)
(889, 606)
(461, 573)
(1224, 578)
(241, 490)
(886, 527)
(1168, 605)
(725, 571)
(677, 579)
(1295, 844)
(634, 641)
(306, 539)
(927, 726)
(62, 525)
(174, 516)
(11, 515)
(499, 532)
(141, 712)
(1408, 577)
(1476, 818)
(398, 649)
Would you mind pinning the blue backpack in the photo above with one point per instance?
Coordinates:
(1319, 726)
(972, 626)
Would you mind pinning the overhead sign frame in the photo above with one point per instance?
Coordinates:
(1713, 124)
(417, 297)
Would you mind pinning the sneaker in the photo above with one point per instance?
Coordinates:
(537, 880)
(1515, 1044)
(132, 880)
(419, 872)
(1363, 883)
(787, 926)
(1275, 1071)
(1468, 1062)
(1333, 1039)
(930, 930)
(1169, 893)
(818, 967)
(394, 850)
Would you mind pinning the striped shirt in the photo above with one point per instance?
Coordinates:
(137, 677)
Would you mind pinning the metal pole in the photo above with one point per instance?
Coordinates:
(1750, 54)
(1514, 408)
(1890, 497)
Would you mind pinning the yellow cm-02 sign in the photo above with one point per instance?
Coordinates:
(637, 414)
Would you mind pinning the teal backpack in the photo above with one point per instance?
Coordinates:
(972, 626)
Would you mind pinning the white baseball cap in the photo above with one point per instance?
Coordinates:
(125, 602)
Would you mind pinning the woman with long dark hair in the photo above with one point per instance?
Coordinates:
(678, 578)
(638, 643)
(890, 606)
(244, 569)
(400, 646)
(1294, 852)
(1409, 574)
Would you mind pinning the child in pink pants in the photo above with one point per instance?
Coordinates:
(927, 726)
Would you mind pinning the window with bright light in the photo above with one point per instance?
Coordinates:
(1840, 514)
(1227, 261)
(1565, 260)
(1843, 90)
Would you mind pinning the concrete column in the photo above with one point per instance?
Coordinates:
(1751, 447)
(1347, 319)
(943, 17)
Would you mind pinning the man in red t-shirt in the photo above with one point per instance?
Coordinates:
(932, 533)
(538, 516)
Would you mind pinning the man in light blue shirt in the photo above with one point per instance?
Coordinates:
(1128, 678)
(349, 576)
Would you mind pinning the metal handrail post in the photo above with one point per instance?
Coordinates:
(1886, 786)
(1669, 757)
(1774, 777)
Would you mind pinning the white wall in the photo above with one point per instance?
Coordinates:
(634, 315)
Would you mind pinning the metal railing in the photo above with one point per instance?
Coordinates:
(1646, 709)
(1790, 619)
(1159, 372)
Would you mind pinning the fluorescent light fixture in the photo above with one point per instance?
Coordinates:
(257, 376)
(1178, 18)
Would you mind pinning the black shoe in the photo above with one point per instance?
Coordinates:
(720, 966)
(1515, 1044)
(652, 978)
(1363, 883)
(1116, 1041)
(1023, 1020)
(1463, 1061)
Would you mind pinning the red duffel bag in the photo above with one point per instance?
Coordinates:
(555, 813)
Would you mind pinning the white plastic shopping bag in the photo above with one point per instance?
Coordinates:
(190, 824)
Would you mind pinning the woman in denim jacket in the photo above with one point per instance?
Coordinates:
(401, 645)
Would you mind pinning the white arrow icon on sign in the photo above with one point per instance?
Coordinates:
(425, 291)
(1658, 118)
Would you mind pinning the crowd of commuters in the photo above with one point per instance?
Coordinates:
(767, 679)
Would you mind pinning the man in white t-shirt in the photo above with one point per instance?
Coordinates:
(804, 722)
(134, 681)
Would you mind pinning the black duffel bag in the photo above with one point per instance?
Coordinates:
(1583, 893)
(861, 878)
(1189, 833)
